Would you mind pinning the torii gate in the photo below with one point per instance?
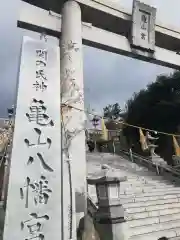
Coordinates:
(104, 25)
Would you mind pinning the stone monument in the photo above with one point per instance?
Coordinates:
(33, 208)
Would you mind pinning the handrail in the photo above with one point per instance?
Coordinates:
(163, 168)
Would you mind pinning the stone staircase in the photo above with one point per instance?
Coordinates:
(151, 202)
(152, 208)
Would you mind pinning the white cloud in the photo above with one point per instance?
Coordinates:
(110, 78)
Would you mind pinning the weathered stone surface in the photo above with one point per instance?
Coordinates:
(151, 202)
(34, 191)
(74, 161)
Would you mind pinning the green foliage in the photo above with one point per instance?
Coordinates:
(112, 111)
(156, 107)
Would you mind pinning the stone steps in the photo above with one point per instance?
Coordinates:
(141, 192)
(155, 213)
(169, 233)
(145, 189)
(153, 208)
(145, 184)
(144, 181)
(174, 238)
(141, 178)
(148, 189)
(151, 203)
(152, 217)
(155, 228)
(149, 194)
(149, 198)
(154, 220)
(150, 177)
(144, 194)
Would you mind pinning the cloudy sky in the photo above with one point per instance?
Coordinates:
(108, 77)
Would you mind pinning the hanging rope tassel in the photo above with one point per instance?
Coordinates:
(142, 140)
(176, 147)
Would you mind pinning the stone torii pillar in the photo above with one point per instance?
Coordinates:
(74, 160)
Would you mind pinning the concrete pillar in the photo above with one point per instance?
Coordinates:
(74, 161)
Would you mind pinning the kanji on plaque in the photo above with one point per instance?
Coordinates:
(144, 23)
(39, 157)
(33, 226)
(34, 206)
(38, 190)
(39, 141)
(41, 63)
(40, 85)
(143, 36)
(42, 54)
(40, 74)
(38, 113)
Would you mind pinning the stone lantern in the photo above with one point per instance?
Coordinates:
(151, 144)
(155, 158)
(109, 217)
